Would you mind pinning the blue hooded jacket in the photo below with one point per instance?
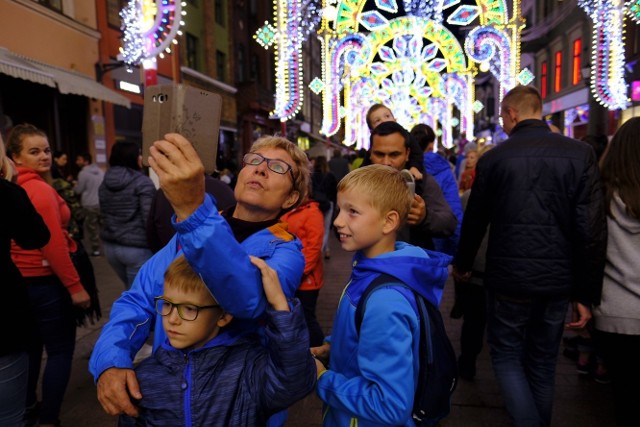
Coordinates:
(212, 250)
(373, 375)
(440, 169)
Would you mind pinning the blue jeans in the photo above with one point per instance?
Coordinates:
(524, 337)
(57, 334)
(126, 260)
(14, 369)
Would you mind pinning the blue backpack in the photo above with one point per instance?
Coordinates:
(438, 374)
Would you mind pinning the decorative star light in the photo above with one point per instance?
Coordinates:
(342, 112)
(455, 122)
(316, 85)
(373, 20)
(525, 77)
(477, 106)
(633, 10)
(464, 15)
(265, 35)
(437, 65)
(387, 5)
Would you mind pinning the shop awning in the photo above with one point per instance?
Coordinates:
(67, 82)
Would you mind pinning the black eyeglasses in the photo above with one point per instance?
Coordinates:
(276, 165)
(188, 312)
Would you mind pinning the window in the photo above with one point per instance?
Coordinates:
(221, 65)
(577, 61)
(52, 4)
(219, 11)
(240, 66)
(113, 12)
(557, 83)
(255, 67)
(191, 51)
(544, 75)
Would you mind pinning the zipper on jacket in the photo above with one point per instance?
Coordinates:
(186, 386)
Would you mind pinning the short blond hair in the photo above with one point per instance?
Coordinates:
(383, 186)
(301, 173)
(181, 277)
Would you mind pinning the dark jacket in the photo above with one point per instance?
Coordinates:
(21, 222)
(230, 381)
(439, 221)
(159, 228)
(542, 195)
(440, 169)
(125, 200)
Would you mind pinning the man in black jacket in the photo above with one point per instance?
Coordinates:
(542, 195)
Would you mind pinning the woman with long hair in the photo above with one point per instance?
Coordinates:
(125, 201)
(617, 318)
(51, 279)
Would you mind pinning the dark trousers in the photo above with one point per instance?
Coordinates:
(56, 333)
(308, 299)
(473, 302)
(621, 355)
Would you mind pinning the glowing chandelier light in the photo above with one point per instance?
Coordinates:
(150, 28)
(607, 44)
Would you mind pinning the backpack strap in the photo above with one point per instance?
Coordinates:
(382, 280)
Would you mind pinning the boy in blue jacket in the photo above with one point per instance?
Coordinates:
(373, 374)
(207, 374)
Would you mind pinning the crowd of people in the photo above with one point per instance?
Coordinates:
(224, 279)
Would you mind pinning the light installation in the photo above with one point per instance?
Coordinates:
(293, 21)
(149, 29)
(413, 63)
(608, 64)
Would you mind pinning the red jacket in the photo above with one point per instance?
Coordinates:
(53, 258)
(307, 223)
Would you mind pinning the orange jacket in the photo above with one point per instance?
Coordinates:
(53, 258)
(307, 223)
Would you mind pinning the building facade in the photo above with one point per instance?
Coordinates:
(48, 52)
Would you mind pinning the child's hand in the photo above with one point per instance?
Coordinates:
(416, 173)
(271, 285)
(322, 353)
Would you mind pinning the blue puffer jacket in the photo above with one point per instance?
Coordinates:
(209, 245)
(373, 375)
(230, 381)
(125, 201)
(440, 168)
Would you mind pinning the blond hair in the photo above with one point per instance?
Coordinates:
(181, 277)
(301, 171)
(383, 186)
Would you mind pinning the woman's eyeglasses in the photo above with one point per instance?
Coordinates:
(275, 165)
(188, 312)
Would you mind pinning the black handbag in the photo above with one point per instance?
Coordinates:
(84, 268)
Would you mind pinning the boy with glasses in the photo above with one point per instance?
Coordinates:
(204, 374)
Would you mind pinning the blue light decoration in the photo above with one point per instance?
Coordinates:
(464, 15)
